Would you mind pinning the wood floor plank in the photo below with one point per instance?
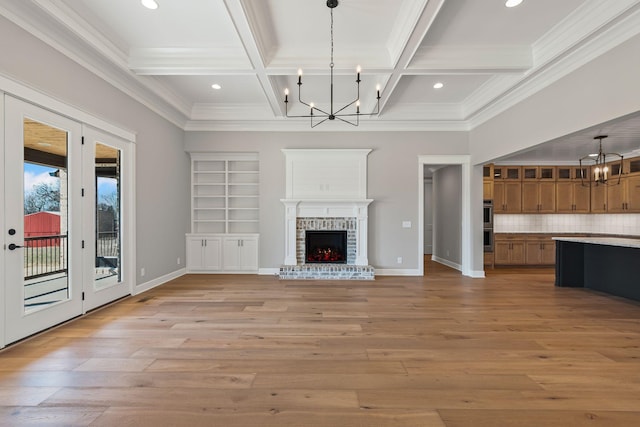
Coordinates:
(237, 350)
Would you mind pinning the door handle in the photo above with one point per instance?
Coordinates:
(13, 246)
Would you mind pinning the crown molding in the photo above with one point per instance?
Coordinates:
(302, 125)
(51, 25)
(228, 111)
(604, 39)
(189, 61)
(590, 18)
(475, 59)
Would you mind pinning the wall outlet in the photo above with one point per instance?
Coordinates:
(142, 272)
(406, 224)
(178, 260)
(399, 260)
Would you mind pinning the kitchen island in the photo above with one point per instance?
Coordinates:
(605, 264)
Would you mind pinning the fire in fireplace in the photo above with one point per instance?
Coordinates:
(327, 247)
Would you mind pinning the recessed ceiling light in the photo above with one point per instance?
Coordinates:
(216, 86)
(593, 155)
(438, 85)
(513, 3)
(44, 144)
(150, 4)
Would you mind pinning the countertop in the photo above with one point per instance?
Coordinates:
(610, 241)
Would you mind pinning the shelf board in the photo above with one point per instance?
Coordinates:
(209, 220)
(244, 220)
(244, 209)
(208, 184)
(209, 197)
(246, 184)
(237, 196)
(209, 209)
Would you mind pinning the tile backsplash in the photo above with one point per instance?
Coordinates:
(620, 224)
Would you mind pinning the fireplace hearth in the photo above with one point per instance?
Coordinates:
(326, 247)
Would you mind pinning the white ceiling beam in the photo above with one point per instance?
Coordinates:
(250, 40)
(427, 17)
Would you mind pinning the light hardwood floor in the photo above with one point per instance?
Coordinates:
(439, 350)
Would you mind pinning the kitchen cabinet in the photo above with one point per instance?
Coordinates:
(487, 190)
(507, 173)
(240, 253)
(598, 198)
(572, 197)
(547, 173)
(538, 197)
(540, 251)
(509, 252)
(624, 197)
(204, 253)
(507, 196)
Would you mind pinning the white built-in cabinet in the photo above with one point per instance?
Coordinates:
(224, 213)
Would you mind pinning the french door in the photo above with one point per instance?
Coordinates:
(67, 223)
(107, 228)
(43, 221)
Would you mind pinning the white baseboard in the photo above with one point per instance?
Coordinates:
(142, 287)
(477, 274)
(268, 271)
(397, 272)
(446, 262)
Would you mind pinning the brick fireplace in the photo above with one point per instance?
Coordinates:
(326, 191)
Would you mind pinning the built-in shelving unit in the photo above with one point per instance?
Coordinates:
(224, 213)
(224, 193)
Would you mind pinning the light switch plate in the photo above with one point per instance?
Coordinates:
(406, 224)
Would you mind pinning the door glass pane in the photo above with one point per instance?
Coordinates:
(108, 265)
(46, 278)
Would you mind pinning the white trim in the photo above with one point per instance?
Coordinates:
(466, 241)
(143, 287)
(446, 262)
(3, 294)
(268, 271)
(38, 98)
(477, 274)
(397, 272)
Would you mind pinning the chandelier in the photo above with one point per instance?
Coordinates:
(342, 114)
(601, 164)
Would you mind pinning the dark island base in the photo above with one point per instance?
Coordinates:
(611, 269)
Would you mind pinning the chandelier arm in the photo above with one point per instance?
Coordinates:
(346, 106)
(318, 123)
(332, 114)
(347, 121)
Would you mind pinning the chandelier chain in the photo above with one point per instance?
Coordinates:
(331, 65)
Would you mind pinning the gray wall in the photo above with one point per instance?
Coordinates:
(447, 197)
(604, 89)
(162, 166)
(393, 183)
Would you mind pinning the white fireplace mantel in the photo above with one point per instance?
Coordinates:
(326, 183)
(326, 208)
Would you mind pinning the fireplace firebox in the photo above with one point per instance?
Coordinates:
(326, 247)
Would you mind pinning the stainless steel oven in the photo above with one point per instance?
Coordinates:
(487, 221)
(487, 237)
(487, 214)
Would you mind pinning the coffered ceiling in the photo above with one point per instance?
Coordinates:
(487, 56)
